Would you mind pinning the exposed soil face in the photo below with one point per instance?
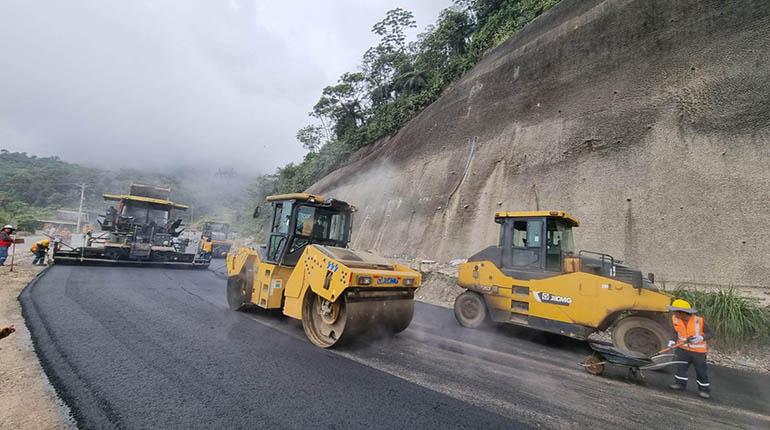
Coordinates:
(27, 399)
(646, 120)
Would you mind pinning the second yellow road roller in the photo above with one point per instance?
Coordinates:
(535, 277)
(307, 270)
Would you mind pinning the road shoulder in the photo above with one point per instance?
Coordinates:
(29, 401)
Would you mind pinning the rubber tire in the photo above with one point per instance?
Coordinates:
(237, 293)
(471, 298)
(625, 325)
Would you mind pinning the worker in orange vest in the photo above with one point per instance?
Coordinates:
(40, 249)
(206, 247)
(691, 334)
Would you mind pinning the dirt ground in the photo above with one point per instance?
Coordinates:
(440, 288)
(28, 400)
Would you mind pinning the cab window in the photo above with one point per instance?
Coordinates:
(274, 247)
(527, 238)
(282, 217)
(321, 224)
(559, 242)
(526, 234)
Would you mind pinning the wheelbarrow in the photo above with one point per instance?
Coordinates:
(605, 354)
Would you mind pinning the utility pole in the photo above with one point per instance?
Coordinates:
(80, 209)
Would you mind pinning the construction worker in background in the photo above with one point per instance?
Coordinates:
(40, 249)
(5, 242)
(6, 331)
(691, 334)
(206, 247)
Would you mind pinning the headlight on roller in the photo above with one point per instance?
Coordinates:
(408, 282)
(364, 280)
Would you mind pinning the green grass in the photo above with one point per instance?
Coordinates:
(735, 320)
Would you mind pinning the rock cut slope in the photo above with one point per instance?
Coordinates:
(647, 119)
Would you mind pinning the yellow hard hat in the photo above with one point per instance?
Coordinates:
(46, 242)
(681, 306)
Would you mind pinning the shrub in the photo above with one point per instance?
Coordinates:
(734, 319)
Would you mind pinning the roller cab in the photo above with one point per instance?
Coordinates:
(535, 277)
(220, 235)
(307, 270)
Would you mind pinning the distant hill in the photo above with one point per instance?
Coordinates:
(33, 187)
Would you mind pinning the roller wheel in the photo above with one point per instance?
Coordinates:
(470, 309)
(594, 365)
(324, 321)
(640, 334)
(238, 292)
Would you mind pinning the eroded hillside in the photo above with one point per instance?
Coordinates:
(648, 121)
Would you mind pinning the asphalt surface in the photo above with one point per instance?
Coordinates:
(158, 348)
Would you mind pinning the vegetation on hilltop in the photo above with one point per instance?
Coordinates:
(397, 79)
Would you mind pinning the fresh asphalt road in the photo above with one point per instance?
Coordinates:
(158, 348)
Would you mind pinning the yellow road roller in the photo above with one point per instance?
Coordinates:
(307, 270)
(534, 277)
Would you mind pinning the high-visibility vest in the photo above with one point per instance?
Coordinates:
(38, 247)
(206, 246)
(686, 329)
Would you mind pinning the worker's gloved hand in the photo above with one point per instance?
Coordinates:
(695, 339)
(671, 343)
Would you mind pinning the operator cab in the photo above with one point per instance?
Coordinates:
(144, 212)
(533, 244)
(302, 219)
(540, 244)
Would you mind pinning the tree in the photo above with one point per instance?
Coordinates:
(399, 78)
(381, 62)
(310, 137)
(392, 29)
(411, 80)
(342, 106)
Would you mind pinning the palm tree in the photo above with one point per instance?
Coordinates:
(411, 80)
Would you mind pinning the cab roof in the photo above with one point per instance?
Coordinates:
(305, 197)
(536, 214)
(127, 197)
(312, 198)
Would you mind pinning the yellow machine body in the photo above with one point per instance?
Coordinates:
(575, 298)
(534, 277)
(368, 289)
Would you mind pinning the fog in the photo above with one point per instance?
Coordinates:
(158, 84)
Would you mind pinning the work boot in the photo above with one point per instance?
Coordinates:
(675, 386)
(704, 395)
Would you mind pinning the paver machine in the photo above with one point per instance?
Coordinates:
(219, 233)
(534, 277)
(307, 270)
(141, 229)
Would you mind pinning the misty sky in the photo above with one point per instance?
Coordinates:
(184, 81)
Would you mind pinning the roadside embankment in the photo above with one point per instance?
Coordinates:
(28, 400)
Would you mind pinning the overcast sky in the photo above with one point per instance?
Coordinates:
(109, 82)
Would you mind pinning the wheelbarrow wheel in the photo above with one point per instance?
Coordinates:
(594, 365)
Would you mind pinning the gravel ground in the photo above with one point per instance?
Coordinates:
(28, 400)
(440, 288)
